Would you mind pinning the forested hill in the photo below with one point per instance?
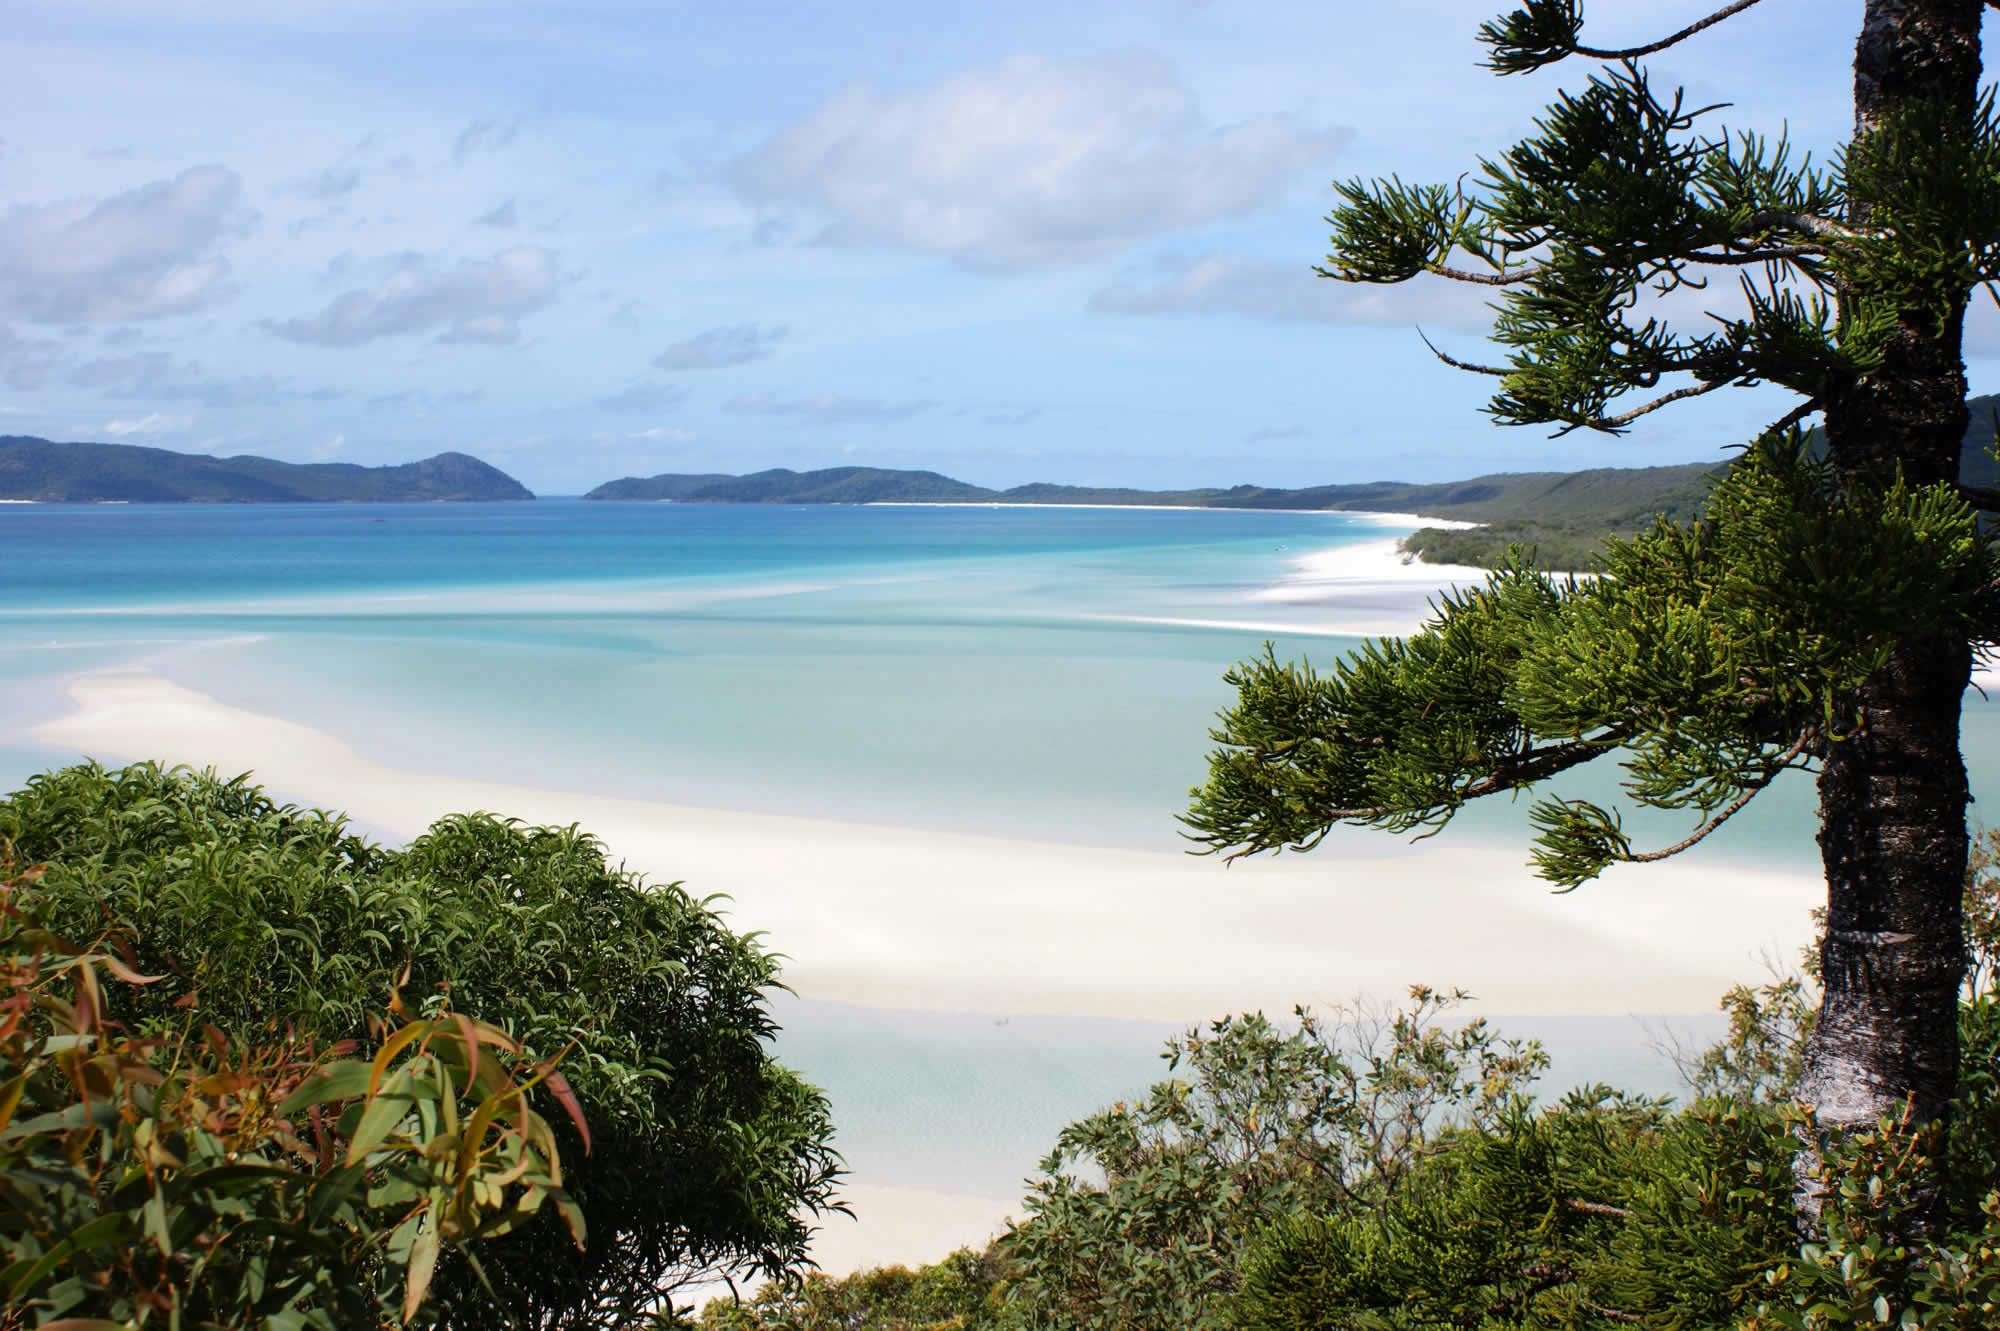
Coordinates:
(99, 473)
(1562, 517)
(1496, 498)
(834, 485)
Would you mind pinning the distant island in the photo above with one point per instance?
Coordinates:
(1560, 518)
(1499, 497)
(36, 469)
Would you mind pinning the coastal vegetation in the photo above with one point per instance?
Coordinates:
(274, 935)
(201, 1180)
(1404, 1171)
(45, 472)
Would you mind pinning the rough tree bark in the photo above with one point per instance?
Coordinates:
(1893, 796)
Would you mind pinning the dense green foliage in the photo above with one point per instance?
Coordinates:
(708, 1158)
(83, 473)
(214, 1182)
(1141, 1212)
(1140, 1215)
(961, 1292)
(1550, 548)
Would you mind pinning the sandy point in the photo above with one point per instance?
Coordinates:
(942, 921)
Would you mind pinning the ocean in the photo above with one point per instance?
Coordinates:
(982, 669)
(1040, 675)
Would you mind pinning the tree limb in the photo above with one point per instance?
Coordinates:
(1735, 806)
(1484, 279)
(1634, 52)
(1803, 410)
(1626, 418)
(1807, 222)
(1760, 254)
(1457, 364)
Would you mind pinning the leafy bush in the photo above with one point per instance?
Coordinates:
(216, 1183)
(1142, 1211)
(1599, 1211)
(1594, 1215)
(961, 1292)
(710, 1157)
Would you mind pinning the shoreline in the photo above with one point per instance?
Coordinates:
(1411, 520)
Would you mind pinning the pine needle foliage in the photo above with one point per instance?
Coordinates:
(1624, 194)
(1709, 657)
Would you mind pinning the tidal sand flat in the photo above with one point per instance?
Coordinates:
(935, 753)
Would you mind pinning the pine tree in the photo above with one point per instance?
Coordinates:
(1825, 611)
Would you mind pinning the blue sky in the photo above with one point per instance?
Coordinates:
(1012, 242)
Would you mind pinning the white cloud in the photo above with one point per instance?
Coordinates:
(665, 434)
(826, 408)
(1292, 293)
(143, 254)
(718, 348)
(1030, 163)
(157, 376)
(473, 300)
(155, 423)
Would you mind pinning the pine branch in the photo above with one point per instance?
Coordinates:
(1810, 224)
(1746, 256)
(1797, 414)
(1543, 32)
(1750, 791)
(1625, 418)
(1652, 48)
(1484, 279)
(1523, 769)
(1457, 364)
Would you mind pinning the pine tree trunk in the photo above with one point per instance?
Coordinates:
(1893, 796)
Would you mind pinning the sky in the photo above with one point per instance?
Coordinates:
(1035, 241)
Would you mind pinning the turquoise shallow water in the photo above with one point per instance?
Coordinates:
(982, 669)
(973, 668)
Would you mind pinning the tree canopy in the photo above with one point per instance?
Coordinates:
(706, 1159)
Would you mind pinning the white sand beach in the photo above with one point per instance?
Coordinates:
(899, 917)
(1364, 589)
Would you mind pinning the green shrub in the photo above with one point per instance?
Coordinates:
(213, 1182)
(709, 1157)
(961, 1292)
(1142, 1212)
